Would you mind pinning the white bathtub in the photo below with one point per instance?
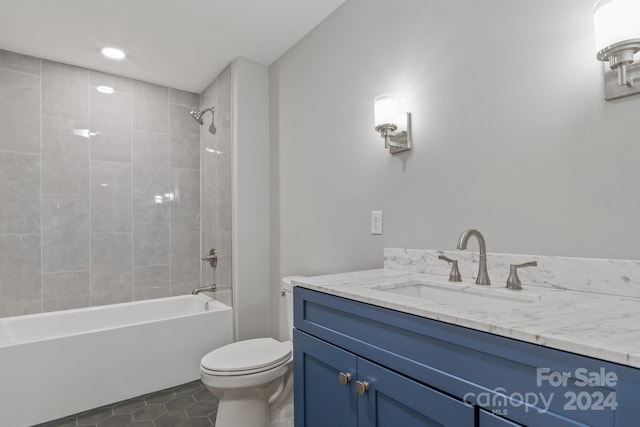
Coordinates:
(61, 363)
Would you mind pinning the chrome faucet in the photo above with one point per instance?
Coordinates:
(483, 275)
(210, 288)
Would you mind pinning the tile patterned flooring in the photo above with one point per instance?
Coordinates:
(187, 405)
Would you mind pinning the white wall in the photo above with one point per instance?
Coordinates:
(511, 133)
(251, 198)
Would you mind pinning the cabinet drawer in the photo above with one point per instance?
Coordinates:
(484, 369)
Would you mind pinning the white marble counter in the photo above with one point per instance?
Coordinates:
(602, 326)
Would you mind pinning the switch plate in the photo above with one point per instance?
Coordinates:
(376, 222)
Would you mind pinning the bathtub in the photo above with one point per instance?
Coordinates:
(61, 363)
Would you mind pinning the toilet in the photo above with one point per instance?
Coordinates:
(252, 378)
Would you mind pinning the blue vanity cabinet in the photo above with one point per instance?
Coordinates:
(383, 398)
(393, 400)
(487, 419)
(427, 372)
(320, 399)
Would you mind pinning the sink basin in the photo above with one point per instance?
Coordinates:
(461, 296)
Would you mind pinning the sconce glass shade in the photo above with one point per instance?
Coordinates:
(617, 42)
(616, 21)
(386, 110)
(393, 127)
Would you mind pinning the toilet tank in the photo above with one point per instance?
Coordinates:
(287, 287)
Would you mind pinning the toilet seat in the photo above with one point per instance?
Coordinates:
(246, 357)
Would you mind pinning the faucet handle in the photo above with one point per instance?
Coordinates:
(454, 275)
(513, 282)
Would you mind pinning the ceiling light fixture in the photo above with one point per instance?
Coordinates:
(112, 53)
(105, 89)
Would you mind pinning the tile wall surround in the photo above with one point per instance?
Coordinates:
(604, 276)
(216, 183)
(100, 219)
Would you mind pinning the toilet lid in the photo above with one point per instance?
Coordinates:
(247, 355)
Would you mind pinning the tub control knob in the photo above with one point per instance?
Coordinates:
(344, 378)
(362, 387)
(212, 258)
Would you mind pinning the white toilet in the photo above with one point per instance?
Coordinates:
(253, 377)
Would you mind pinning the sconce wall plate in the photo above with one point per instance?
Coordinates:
(400, 140)
(613, 90)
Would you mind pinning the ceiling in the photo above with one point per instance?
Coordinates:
(177, 43)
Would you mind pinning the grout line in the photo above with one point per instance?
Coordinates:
(109, 233)
(90, 197)
(66, 271)
(186, 169)
(41, 198)
(150, 265)
(131, 200)
(112, 161)
(200, 208)
(170, 204)
(25, 72)
(27, 154)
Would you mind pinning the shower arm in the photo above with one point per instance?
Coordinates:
(197, 116)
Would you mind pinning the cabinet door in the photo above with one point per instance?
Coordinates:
(320, 400)
(487, 419)
(393, 400)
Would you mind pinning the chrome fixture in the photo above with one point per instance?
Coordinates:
(212, 258)
(617, 41)
(197, 116)
(454, 275)
(483, 275)
(513, 282)
(211, 288)
(393, 127)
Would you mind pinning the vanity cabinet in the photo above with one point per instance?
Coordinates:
(340, 389)
(421, 372)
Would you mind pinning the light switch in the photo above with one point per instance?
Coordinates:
(376, 222)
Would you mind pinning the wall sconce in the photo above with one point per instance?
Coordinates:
(393, 127)
(617, 41)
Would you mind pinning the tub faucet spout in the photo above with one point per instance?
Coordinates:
(210, 288)
(483, 275)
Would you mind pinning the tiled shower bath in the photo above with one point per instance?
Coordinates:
(188, 405)
(101, 192)
(109, 197)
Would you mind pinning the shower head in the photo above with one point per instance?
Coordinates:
(197, 116)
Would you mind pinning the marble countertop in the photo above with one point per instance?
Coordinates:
(606, 327)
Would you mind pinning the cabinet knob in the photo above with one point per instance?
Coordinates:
(344, 378)
(362, 387)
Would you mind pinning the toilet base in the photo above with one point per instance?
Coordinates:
(243, 412)
(241, 405)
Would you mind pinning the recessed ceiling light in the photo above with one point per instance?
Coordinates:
(112, 52)
(105, 89)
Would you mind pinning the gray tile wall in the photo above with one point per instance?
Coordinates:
(216, 183)
(99, 193)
